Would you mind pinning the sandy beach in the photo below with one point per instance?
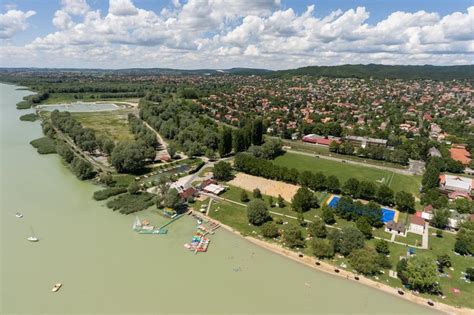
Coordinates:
(330, 269)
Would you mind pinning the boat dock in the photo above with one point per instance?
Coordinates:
(199, 242)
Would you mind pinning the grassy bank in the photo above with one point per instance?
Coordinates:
(344, 171)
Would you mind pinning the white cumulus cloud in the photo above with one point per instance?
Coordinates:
(13, 21)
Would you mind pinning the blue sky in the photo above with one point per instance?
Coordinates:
(210, 33)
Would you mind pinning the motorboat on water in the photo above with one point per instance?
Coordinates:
(33, 237)
(19, 215)
(56, 287)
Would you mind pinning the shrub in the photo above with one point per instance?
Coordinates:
(44, 145)
(109, 192)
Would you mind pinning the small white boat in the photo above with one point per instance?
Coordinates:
(33, 237)
(56, 287)
(18, 215)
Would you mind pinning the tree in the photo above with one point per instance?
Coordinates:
(172, 199)
(401, 270)
(367, 190)
(351, 187)
(364, 226)
(332, 183)
(464, 244)
(257, 193)
(129, 157)
(322, 248)
(63, 150)
(257, 212)
(225, 142)
(381, 246)
(317, 228)
(430, 177)
(364, 260)
(82, 169)
(328, 215)
(270, 230)
(222, 170)
(302, 200)
(257, 131)
(243, 196)
(293, 236)
(133, 188)
(270, 202)
(171, 150)
(443, 261)
(280, 201)
(351, 239)
(470, 273)
(238, 141)
(405, 201)
(385, 195)
(422, 274)
(440, 218)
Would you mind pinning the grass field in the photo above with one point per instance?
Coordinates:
(345, 171)
(113, 124)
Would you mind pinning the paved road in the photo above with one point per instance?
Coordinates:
(386, 168)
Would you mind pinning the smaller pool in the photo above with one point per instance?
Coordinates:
(80, 107)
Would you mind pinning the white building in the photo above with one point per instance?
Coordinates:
(417, 225)
(456, 183)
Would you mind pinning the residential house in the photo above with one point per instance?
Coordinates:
(417, 225)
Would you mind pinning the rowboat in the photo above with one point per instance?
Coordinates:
(56, 287)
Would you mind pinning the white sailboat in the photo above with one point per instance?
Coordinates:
(33, 237)
(137, 225)
(19, 215)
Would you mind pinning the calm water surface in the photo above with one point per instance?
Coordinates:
(107, 268)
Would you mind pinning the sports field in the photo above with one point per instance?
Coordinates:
(344, 171)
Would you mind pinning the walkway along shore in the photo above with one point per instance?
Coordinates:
(328, 268)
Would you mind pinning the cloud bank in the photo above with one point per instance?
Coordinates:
(221, 34)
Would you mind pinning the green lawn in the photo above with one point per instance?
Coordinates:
(410, 239)
(345, 171)
(113, 124)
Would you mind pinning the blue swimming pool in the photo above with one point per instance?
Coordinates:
(387, 214)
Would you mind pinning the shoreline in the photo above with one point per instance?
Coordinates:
(344, 274)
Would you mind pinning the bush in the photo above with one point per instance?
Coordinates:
(128, 203)
(109, 192)
(243, 196)
(44, 145)
(29, 117)
(133, 188)
(270, 230)
(293, 237)
(381, 246)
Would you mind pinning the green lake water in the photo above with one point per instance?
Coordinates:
(105, 267)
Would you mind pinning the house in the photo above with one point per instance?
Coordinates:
(417, 225)
(396, 227)
(187, 193)
(433, 152)
(427, 213)
(454, 183)
(214, 189)
(459, 153)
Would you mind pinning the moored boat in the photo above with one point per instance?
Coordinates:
(56, 287)
(19, 215)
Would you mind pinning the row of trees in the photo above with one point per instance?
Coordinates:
(142, 132)
(372, 152)
(317, 181)
(82, 169)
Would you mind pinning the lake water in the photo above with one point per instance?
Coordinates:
(105, 267)
(81, 107)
